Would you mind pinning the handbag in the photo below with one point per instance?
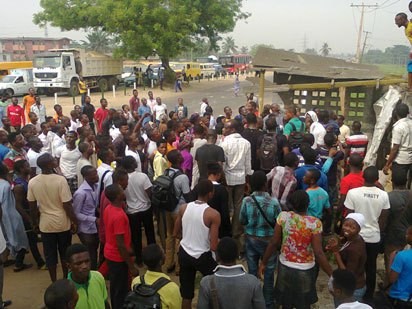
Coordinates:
(262, 212)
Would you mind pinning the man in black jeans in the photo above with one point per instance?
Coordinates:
(139, 210)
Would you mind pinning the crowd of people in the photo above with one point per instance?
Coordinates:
(287, 193)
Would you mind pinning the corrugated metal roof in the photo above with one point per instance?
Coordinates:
(312, 65)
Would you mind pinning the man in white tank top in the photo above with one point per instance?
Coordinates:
(199, 226)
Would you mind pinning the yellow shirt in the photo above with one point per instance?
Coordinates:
(53, 217)
(169, 294)
(82, 87)
(408, 32)
(160, 164)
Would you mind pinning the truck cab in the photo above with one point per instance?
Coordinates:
(56, 70)
(17, 83)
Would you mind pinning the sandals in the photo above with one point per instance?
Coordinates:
(23, 267)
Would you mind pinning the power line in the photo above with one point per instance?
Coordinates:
(359, 41)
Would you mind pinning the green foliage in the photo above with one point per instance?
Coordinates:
(325, 50)
(244, 49)
(145, 27)
(310, 51)
(396, 55)
(253, 49)
(99, 41)
(229, 46)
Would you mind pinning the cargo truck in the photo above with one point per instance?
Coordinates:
(60, 70)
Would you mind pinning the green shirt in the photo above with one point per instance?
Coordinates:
(297, 122)
(93, 294)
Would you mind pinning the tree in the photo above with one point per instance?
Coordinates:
(229, 45)
(254, 48)
(244, 50)
(325, 50)
(144, 27)
(310, 51)
(99, 41)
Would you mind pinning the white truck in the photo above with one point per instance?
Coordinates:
(61, 70)
(17, 83)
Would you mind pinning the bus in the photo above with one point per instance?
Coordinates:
(238, 63)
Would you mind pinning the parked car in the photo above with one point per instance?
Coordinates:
(219, 70)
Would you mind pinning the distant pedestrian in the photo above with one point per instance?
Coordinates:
(237, 85)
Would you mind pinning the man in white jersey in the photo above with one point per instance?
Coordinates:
(373, 204)
(199, 225)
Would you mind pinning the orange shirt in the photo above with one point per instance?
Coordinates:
(28, 102)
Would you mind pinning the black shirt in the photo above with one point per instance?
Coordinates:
(254, 137)
(208, 153)
(88, 110)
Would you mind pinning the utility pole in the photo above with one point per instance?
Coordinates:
(358, 45)
(304, 43)
(364, 45)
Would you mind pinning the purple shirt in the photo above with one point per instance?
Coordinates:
(187, 164)
(84, 206)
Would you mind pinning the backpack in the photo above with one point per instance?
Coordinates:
(145, 296)
(296, 137)
(268, 152)
(163, 191)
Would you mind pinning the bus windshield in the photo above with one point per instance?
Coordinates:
(47, 62)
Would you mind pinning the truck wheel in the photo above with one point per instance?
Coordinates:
(113, 81)
(103, 84)
(9, 92)
(74, 88)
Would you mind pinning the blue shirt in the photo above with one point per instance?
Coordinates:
(402, 264)
(84, 206)
(3, 151)
(300, 172)
(250, 216)
(143, 110)
(318, 201)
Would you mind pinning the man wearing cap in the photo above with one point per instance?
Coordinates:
(373, 204)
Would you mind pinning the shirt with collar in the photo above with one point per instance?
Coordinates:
(237, 159)
(235, 289)
(40, 111)
(84, 206)
(93, 293)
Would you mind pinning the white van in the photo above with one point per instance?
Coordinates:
(17, 83)
(207, 70)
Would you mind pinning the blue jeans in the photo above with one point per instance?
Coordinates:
(359, 293)
(255, 249)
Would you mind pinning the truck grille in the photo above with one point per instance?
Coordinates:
(45, 75)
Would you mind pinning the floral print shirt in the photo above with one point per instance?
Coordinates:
(297, 232)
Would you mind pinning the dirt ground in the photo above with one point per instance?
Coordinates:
(26, 289)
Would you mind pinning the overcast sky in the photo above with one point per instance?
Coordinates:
(283, 23)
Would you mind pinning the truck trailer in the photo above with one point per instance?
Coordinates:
(60, 70)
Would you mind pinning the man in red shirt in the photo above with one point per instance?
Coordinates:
(101, 114)
(117, 249)
(351, 181)
(16, 114)
(134, 102)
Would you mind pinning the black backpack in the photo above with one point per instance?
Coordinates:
(145, 296)
(163, 191)
(268, 152)
(296, 137)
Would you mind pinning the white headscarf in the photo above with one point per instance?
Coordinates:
(357, 217)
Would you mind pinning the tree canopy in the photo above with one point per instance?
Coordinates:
(144, 27)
